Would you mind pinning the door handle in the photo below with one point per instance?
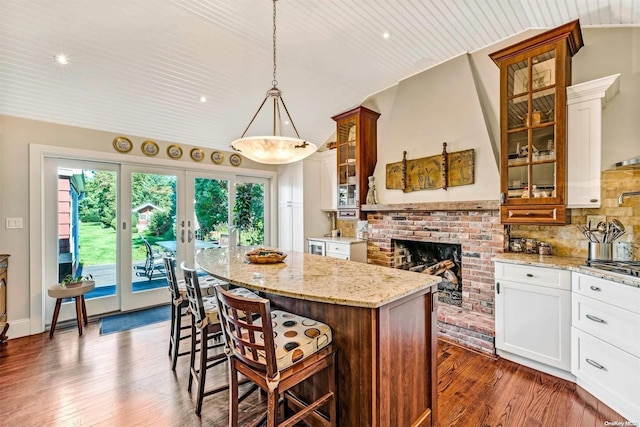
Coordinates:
(182, 236)
(190, 236)
(595, 319)
(594, 364)
(124, 225)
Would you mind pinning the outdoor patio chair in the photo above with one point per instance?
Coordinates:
(153, 265)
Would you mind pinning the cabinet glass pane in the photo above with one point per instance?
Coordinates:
(347, 195)
(543, 104)
(518, 148)
(544, 147)
(518, 78)
(518, 112)
(518, 182)
(543, 177)
(543, 70)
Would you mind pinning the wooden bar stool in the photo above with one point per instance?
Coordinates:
(205, 325)
(277, 355)
(179, 305)
(60, 292)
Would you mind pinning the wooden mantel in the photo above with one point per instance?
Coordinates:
(473, 205)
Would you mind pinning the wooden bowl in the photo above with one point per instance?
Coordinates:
(265, 256)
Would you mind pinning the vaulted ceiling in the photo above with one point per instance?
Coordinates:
(140, 67)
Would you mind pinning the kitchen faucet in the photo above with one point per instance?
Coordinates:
(622, 196)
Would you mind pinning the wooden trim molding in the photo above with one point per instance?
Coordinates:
(477, 205)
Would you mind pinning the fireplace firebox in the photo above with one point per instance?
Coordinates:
(435, 258)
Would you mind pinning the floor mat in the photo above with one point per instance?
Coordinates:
(126, 321)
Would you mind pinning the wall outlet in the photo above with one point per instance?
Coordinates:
(593, 220)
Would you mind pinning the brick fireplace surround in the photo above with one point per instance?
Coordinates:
(481, 236)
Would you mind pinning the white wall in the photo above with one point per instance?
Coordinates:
(438, 105)
(15, 136)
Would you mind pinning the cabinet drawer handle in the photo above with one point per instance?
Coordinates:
(529, 275)
(593, 200)
(595, 288)
(594, 364)
(595, 319)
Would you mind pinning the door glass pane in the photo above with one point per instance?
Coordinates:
(87, 227)
(518, 182)
(248, 213)
(518, 148)
(153, 216)
(544, 144)
(543, 103)
(211, 224)
(543, 177)
(518, 78)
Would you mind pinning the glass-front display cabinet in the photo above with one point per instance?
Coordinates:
(534, 75)
(356, 143)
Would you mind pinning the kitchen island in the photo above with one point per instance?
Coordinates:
(383, 323)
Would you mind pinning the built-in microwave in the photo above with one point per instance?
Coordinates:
(316, 247)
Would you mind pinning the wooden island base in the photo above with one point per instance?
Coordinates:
(386, 359)
(383, 323)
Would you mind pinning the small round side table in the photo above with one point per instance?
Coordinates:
(61, 292)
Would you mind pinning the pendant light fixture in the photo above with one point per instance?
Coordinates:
(274, 149)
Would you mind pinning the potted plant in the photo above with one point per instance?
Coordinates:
(71, 281)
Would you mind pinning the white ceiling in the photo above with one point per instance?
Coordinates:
(139, 67)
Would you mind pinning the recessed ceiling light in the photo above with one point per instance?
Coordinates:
(386, 35)
(286, 122)
(61, 59)
(203, 99)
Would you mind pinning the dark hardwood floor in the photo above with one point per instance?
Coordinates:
(125, 379)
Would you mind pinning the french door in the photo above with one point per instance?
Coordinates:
(116, 222)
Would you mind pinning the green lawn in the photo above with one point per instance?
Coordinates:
(98, 245)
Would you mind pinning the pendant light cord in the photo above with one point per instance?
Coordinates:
(274, 83)
(275, 93)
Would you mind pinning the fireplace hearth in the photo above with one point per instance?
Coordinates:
(435, 258)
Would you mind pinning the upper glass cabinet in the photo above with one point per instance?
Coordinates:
(534, 75)
(356, 142)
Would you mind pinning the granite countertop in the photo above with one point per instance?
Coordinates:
(566, 263)
(350, 240)
(315, 277)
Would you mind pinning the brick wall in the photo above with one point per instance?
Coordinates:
(480, 235)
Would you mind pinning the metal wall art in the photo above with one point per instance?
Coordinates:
(430, 173)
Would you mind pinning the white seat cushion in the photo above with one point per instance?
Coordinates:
(211, 304)
(207, 285)
(297, 337)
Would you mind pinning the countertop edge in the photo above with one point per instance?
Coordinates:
(349, 240)
(433, 281)
(564, 263)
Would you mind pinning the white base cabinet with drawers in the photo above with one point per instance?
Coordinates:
(533, 317)
(347, 248)
(605, 344)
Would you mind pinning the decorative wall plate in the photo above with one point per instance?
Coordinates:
(174, 151)
(235, 159)
(217, 157)
(197, 154)
(122, 144)
(150, 148)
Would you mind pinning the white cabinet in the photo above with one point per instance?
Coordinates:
(346, 248)
(533, 317)
(585, 102)
(299, 214)
(328, 180)
(606, 342)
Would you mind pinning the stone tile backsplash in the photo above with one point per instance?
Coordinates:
(568, 240)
